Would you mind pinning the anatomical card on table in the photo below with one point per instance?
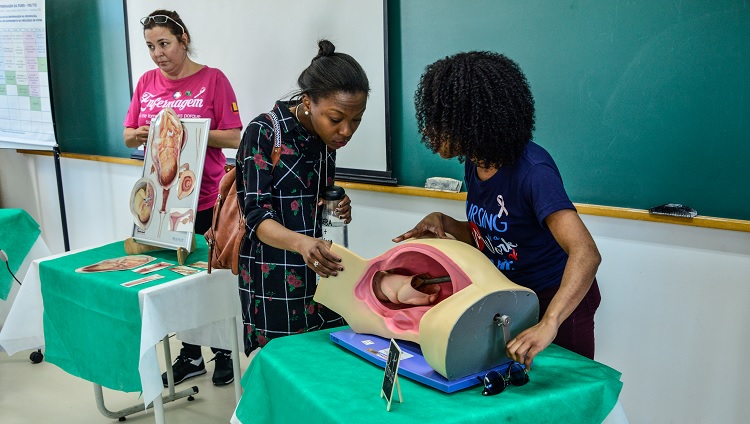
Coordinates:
(142, 280)
(153, 267)
(164, 200)
(185, 270)
(199, 264)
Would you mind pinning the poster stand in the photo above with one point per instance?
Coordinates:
(133, 247)
(61, 197)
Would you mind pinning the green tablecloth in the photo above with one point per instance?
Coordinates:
(307, 378)
(92, 325)
(18, 232)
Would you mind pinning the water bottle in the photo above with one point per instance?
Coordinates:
(334, 228)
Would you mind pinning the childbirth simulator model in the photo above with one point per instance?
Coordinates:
(442, 294)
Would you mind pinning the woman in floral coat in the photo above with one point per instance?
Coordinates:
(282, 254)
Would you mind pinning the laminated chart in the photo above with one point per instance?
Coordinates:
(25, 107)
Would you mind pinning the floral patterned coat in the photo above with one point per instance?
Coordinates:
(276, 286)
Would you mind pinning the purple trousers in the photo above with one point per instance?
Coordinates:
(577, 332)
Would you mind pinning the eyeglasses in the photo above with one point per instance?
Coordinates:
(495, 383)
(160, 19)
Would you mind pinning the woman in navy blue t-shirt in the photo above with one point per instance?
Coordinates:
(477, 106)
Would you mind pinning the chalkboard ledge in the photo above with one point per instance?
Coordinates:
(585, 209)
(82, 156)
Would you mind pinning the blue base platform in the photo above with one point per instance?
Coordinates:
(413, 365)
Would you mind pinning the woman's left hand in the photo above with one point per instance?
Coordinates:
(344, 209)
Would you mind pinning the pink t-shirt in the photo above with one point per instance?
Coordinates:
(205, 94)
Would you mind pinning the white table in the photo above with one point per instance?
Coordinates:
(213, 318)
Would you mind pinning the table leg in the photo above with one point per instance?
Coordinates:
(159, 410)
(168, 362)
(236, 361)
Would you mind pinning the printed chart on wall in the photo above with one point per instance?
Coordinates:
(25, 107)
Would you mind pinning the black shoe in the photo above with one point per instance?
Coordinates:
(223, 371)
(184, 368)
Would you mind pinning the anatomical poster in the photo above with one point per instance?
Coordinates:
(164, 200)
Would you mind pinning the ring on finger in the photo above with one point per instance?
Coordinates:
(316, 263)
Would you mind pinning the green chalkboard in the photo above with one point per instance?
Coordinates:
(640, 103)
(88, 73)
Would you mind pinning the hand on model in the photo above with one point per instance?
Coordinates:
(430, 226)
(318, 256)
(525, 346)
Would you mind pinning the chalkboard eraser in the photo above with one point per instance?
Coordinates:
(443, 184)
(674, 209)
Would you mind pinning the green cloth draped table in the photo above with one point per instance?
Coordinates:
(92, 324)
(308, 378)
(18, 233)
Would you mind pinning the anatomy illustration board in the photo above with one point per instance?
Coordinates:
(164, 200)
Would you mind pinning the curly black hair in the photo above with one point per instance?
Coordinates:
(475, 105)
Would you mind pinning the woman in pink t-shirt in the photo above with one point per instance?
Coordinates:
(192, 90)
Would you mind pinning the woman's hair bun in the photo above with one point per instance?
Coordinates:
(325, 48)
(332, 72)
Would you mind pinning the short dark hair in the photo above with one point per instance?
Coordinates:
(477, 103)
(330, 72)
(174, 24)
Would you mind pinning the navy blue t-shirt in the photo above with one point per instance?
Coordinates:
(506, 214)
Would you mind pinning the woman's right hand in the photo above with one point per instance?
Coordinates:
(318, 256)
(430, 226)
(135, 137)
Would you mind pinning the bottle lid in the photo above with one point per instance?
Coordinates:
(333, 192)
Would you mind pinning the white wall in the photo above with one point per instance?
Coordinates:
(674, 297)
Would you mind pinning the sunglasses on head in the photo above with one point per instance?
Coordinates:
(160, 19)
(494, 382)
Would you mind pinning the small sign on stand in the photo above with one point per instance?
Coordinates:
(390, 378)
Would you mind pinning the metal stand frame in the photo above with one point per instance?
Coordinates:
(236, 360)
(61, 197)
(159, 402)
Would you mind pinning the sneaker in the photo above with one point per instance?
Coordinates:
(223, 370)
(184, 368)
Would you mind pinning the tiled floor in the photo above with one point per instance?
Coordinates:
(43, 393)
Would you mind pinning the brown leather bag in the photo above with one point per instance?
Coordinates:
(227, 226)
(228, 223)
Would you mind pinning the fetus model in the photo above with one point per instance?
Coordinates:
(458, 322)
(142, 199)
(403, 289)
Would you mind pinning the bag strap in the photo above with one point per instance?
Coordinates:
(276, 152)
